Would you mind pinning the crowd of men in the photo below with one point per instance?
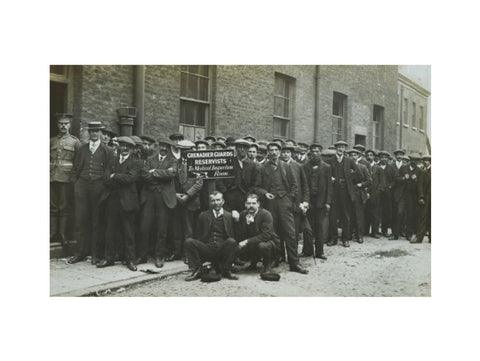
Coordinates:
(132, 200)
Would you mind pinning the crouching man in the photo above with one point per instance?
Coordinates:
(215, 240)
(258, 240)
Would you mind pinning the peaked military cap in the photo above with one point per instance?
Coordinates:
(63, 117)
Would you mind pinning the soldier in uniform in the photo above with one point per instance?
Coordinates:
(62, 152)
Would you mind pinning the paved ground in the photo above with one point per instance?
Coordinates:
(374, 268)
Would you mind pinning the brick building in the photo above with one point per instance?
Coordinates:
(361, 104)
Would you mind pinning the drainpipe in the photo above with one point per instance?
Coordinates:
(315, 114)
(139, 97)
(401, 116)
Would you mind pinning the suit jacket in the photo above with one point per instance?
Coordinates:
(190, 187)
(303, 194)
(320, 183)
(205, 221)
(262, 228)
(374, 189)
(82, 159)
(123, 183)
(365, 179)
(396, 178)
(264, 180)
(161, 179)
(350, 168)
(244, 179)
(414, 182)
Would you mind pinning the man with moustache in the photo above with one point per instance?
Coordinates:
(343, 170)
(91, 168)
(214, 241)
(319, 176)
(278, 189)
(362, 181)
(121, 205)
(62, 152)
(380, 196)
(158, 199)
(397, 172)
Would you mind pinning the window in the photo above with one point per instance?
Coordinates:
(420, 119)
(338, 116)
(378, 113)
(405, 111)
(194, 101)
(283, 105)
(414, 114)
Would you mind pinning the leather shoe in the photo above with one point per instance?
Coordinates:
(321, 256)
(159, 262)
(360, 240)
(105, 263)
(140, 260)
(376, 236)
(229, 276)
(298, 268)
(194, 276)
(346, 244)
(131, 266)
(75, 259)
(332, 243)
(393, 238)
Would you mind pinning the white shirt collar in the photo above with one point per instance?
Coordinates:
(94, 145)
(339, 158)
(398, 163)
(220, 212)
(161, 158)
(123, 158)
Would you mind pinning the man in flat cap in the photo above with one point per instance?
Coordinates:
(344, 169)
(380, 197)
(62, 152)
(201, 144)
(250, 138)
(302, 153)
(210, 139)
(236, 189)
(158, 199)
(278, 189)
(370, 159)
(121, 205)
(91, 168)
(302, 199)
(261, 154)
(424, 221)
(107, 137)
(414, 196)
(362, 182)
(252, 152)
(319, 177)
(397, 172)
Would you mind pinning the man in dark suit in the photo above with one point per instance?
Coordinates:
(235, 189)
(362, 181)
(397, 171)
(370, 159)
(414, 197)
(278, 190)
(214, 240)
(122, 203)
(188, 190)
(380, 201)
(91, 168)
(158, 199)
(319, 177)
(424, 223)
(343, 170)
(257, 240)
(301, 201)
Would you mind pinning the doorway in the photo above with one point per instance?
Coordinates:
(58, 103)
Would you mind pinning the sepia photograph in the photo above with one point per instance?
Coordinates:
(240, 180)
